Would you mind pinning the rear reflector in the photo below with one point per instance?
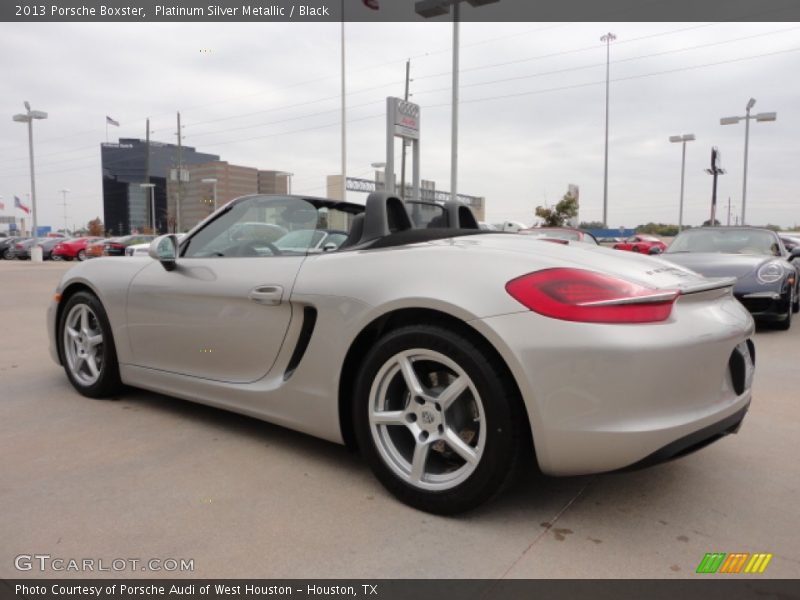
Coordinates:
(586, 296)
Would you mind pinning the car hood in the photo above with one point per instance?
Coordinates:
(716, 264)
(642, 269)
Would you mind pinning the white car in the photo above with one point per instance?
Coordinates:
(143, 249)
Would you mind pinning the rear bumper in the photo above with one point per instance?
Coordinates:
(606, 397)
(694, 441)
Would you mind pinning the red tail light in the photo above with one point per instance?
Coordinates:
(586, 296)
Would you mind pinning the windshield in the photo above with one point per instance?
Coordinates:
(260, 226)
(733, 241)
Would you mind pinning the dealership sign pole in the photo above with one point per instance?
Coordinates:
(402, 120)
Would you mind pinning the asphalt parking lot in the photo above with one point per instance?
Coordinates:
(149, 476)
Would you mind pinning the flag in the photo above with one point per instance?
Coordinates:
(2, 205)
(373, 4)
(18, 204)
(110, 121)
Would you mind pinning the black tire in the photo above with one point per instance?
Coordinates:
(108, 381)
(796, 304)
(81, 255)
(636, 249)
(502, 419)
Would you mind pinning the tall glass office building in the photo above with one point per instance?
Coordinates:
(126, 205)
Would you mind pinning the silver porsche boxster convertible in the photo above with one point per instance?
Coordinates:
(443, 352)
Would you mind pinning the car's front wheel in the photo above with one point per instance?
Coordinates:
(87, 347)
(81, 255)
(435, 419)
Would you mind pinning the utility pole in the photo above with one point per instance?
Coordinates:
(180, 178)
(607, 38)
(147, 156)
(403, 155)
(715, 170)
(729, 211)
(454, 111)
(344, 119)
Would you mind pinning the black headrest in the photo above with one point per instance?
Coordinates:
(356, 230)
(384, 214)
(460, 216)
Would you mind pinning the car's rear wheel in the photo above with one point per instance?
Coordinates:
(87, 348)
(81, 255)
(435, 420)
(636, 249)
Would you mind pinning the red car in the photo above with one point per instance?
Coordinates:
(74, 248)
(641, 243)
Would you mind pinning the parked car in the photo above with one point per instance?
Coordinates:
(641, 243)
(74, 249)
(47, 245)
(790, 242)
(117, 246)
(767, 275)
(95, 249)
(144, 249)
(445, 355)
(21, 249)
(7, 247)
(569, 234)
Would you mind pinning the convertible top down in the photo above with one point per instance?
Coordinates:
(442, 352)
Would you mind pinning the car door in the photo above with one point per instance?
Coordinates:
(223, 312)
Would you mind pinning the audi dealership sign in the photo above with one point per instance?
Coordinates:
(405, 118)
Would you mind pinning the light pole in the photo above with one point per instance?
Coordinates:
(437, 8)
(689, 137)
(64, 193)
(607, 38)
(152, 188)
(28, 117)
(213, 182)
(767, 116)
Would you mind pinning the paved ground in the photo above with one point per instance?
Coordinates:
(153, 477)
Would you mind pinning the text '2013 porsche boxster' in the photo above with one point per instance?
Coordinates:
(443, 352)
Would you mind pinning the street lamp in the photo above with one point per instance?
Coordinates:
(64, 193)
(767, 116)
(28, 117)
(689, 137)
(152, 187)
(213, 182)
(607, 38)
(436, 8)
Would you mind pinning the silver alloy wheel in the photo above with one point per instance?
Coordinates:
(427, 419)
(83, 344)
(81, 255)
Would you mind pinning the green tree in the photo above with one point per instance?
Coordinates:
(707, 223)
(775, 228)
(96, 227)
(566, 209)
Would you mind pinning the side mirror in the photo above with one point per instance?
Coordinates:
(655, 250)
(164, 249)
(794, 253)
(329, 247)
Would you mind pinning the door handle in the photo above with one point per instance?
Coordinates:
(270, 295)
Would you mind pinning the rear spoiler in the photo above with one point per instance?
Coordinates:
(707, 285)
